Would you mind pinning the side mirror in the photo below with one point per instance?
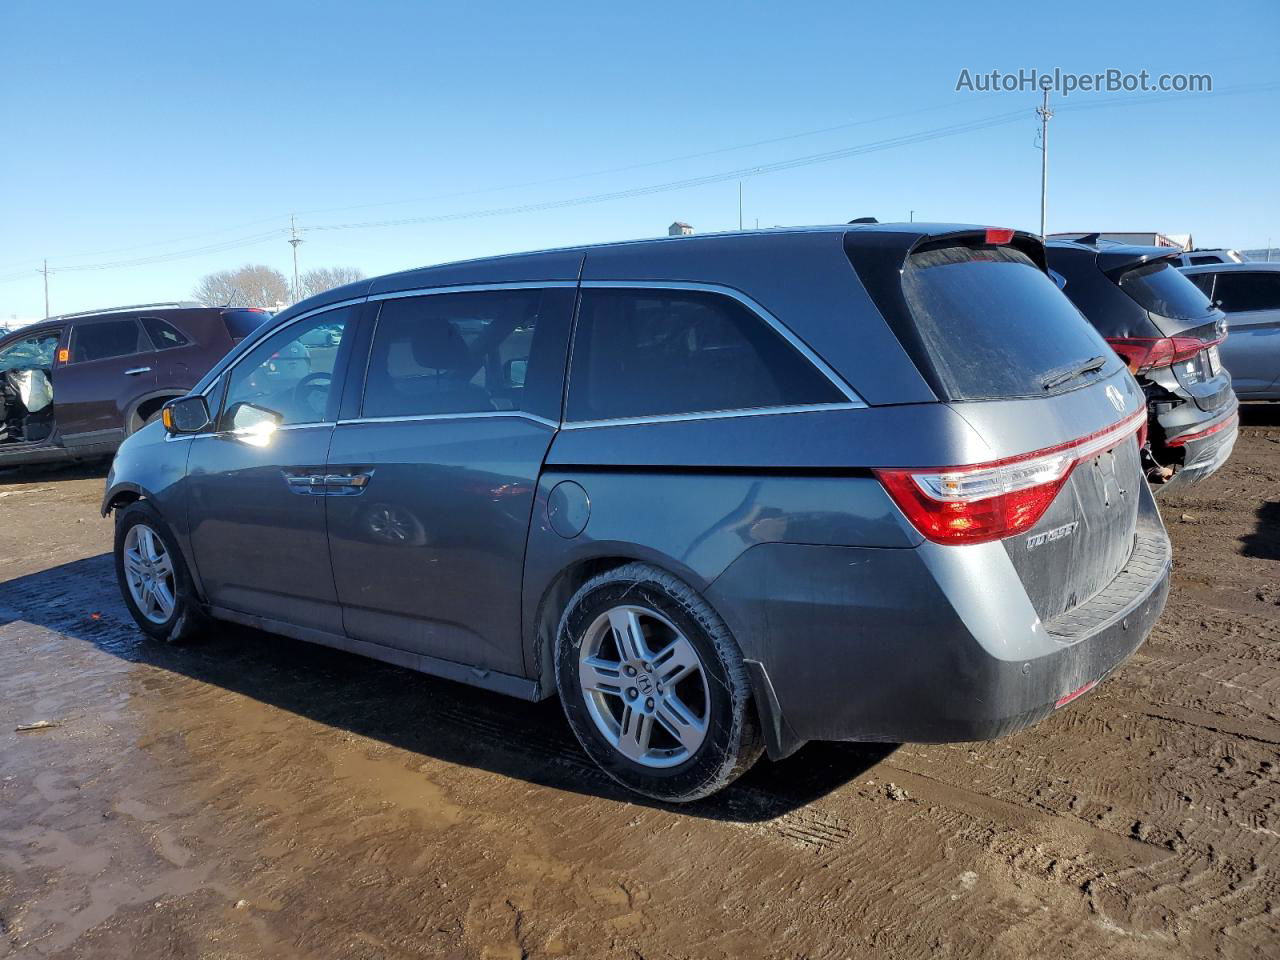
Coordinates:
(186, 415)
(517, 371)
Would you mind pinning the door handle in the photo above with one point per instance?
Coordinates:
(137, 370)
(357, 481)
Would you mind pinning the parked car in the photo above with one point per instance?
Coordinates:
(1170, 335)
(1249, 293)
(870, 482)
(104, 374)
(1198, 256)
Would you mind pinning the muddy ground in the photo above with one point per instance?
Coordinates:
(255, 797)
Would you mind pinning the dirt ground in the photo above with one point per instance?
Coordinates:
(255, 797)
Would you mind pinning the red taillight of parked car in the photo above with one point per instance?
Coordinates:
(1147, 353)
(990, 501)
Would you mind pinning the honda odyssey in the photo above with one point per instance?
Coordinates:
(720, 494)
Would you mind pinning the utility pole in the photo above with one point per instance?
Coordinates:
(911, 217)
(45, 271)
(1045, 115)
(294, 240)
(739, 204)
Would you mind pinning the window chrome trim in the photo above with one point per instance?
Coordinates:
(474, 288)
(469, 415)
(170, 438)
(711, 415)
(853, 400)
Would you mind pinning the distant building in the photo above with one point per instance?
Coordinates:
(1179, 241)
(679, 229)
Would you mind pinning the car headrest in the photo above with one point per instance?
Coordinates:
(437, 345)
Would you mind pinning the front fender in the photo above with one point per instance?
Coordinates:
(153, 466)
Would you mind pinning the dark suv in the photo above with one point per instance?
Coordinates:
(73, 387)
(1170, 335)
(861, 482)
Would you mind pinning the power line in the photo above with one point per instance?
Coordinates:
(686, 183)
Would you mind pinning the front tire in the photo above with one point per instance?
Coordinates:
(654, 686)
(153, 577)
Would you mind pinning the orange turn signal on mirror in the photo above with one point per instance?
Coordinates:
(64, 355)
(166, 417)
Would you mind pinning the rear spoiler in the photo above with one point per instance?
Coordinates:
(1111, 260)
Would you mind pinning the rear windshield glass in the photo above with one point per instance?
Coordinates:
(994, 325)
(1162, 289)
(241, 323)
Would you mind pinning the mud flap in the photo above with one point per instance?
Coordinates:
(780, 741)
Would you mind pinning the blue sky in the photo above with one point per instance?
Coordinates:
(157, 128)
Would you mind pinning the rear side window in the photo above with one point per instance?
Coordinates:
(641, 353)
(1198, 261)
(1239, 292)
(163, 334)
(107, 338)
(1161, 288)
(469, 353)
(241, 323)
(991, 324)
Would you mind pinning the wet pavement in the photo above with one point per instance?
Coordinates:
(256, 797)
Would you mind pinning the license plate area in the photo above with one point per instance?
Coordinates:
(1213, 359)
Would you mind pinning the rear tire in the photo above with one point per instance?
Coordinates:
(654, 686)
(153, 577)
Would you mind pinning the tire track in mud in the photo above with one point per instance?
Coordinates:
(363, 811)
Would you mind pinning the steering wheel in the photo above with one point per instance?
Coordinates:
(312, 391)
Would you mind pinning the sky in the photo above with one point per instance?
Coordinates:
(186, 135)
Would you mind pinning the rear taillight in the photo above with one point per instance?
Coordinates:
(991, 501)
(1148, 353)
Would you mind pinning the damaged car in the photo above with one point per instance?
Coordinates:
(1170, 335)
(73, 387)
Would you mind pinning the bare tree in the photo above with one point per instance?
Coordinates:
(326, 278)
(253, 285)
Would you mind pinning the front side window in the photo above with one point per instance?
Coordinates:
(642, 353)
(289, 373)
(164, 335)
(478, 352)
(29, 352)
(1241, 292)
(105, 339)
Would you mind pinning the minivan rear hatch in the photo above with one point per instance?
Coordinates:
(1008, 351)
(1191, 326)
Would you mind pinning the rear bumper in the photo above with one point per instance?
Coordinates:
(1205, 447)
(931, 644)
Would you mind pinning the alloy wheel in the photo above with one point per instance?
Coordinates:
(645, 686)
(148, 571)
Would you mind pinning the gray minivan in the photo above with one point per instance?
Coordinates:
(720, 494)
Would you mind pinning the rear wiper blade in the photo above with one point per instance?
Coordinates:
(1066, 375)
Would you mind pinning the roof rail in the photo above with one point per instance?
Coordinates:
(171, 304)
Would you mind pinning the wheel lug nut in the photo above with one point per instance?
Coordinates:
(629, 671)
(632, 693)
(648, 704)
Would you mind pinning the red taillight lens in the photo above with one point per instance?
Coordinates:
(1147, 353)
(991, 501)
(999, 235)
